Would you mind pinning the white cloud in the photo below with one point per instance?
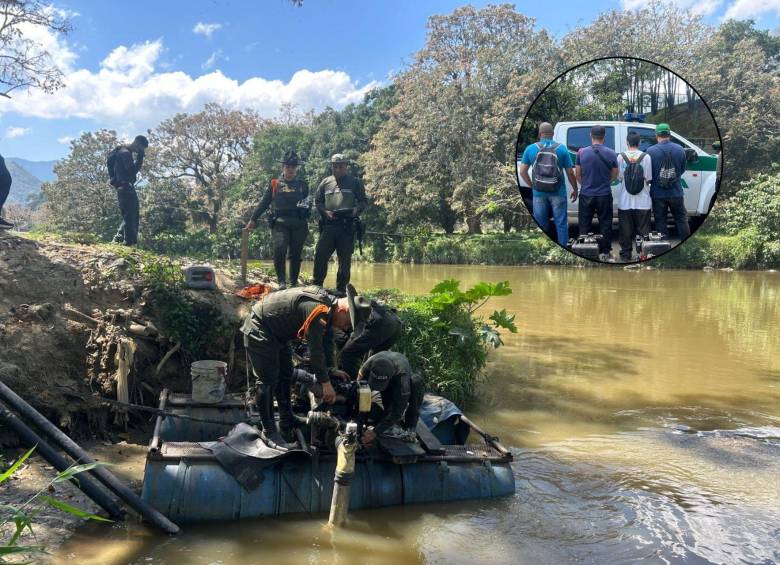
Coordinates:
(744, 9)
(213, 59)
(129, 93)
(702, 7)
(65, 139)
(15, 131)
(206, 30)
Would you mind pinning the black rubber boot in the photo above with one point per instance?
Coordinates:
(271, 435)
(288, 421)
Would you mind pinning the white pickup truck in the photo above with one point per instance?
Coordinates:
(699, 181)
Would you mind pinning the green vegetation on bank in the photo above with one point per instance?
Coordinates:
(444, 338)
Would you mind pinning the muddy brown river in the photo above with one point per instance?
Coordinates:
(643, 411)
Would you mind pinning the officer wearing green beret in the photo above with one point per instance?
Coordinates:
(340, 199)
(288, 199)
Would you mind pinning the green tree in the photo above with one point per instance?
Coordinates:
(81, 200)
(458, 108)
(206, 150)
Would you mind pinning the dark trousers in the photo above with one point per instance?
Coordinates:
(128, 206)
(630, 224)
(676, 206)
(340, 238)
(5, 188)
(270, 359)
(288, 236)
(602, 207)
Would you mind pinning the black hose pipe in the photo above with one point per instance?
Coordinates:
(101, 473)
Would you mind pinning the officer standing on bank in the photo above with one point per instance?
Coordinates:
(340, 200)
(288, 199)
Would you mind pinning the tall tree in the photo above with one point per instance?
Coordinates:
(81, 199)
(459, 106)
(206, 150)
(25, 63)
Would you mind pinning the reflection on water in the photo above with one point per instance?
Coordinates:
(644, 412)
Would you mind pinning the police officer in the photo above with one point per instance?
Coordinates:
(390, 374)
(375, 328)
(5, 188)
(123, 172)
(276, 320)
(340, 199)
(288, 199)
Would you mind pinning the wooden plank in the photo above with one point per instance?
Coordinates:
(428, 440)
(244, 253)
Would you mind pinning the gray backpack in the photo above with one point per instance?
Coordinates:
(546, 174)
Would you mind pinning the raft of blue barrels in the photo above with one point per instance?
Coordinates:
(184, 480)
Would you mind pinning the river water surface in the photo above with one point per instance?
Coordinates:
(643, 411)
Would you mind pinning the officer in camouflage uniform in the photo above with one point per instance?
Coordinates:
(280, 317)
(376, 328)
(340, 199)
(288, 199)
(402, 390)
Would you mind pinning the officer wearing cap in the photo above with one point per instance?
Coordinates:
(340, 199)
(390, 374)
(288, 199)
(668, 198)
(375, 328)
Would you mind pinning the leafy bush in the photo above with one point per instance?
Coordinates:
(23, 516)
(444, 340)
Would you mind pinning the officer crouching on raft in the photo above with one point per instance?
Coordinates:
(402, 390)
(340, 199)
(288, 199)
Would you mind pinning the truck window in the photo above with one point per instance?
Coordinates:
(579, 137)
(647, 138)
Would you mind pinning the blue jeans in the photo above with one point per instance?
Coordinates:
(542, 206)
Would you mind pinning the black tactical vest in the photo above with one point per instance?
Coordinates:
(279, 311)
(286, 196)
(339, 196)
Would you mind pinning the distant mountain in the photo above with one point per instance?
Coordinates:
(23, 183)
(44, 170)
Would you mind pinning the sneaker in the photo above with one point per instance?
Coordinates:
(606, 258)
(5, 225)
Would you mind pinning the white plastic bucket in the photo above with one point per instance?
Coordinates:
(208, 381)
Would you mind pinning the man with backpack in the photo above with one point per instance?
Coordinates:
(596, 168)
(549, 159)
(123, 172)
(668, 160)
(633, 197)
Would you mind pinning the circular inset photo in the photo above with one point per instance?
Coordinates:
(618, 160)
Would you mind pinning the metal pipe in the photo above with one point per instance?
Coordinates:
(76, 452)
(346, 446)
(490, 440)
(83, 482)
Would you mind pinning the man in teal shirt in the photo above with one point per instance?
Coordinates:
(543, 201)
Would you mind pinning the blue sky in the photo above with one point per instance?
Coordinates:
(130, 64)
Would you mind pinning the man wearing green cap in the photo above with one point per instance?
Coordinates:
(390, 374)
(668, 160)
(340, 199)
(288, 199)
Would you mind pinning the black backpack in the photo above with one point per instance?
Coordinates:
(546, 174)
(634, 175)
(110, 164)
(667, 176)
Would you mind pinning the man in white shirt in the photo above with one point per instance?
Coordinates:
(633, 197)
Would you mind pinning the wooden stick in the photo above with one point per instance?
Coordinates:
(167, 356)
(244, 253)
(72, 310)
